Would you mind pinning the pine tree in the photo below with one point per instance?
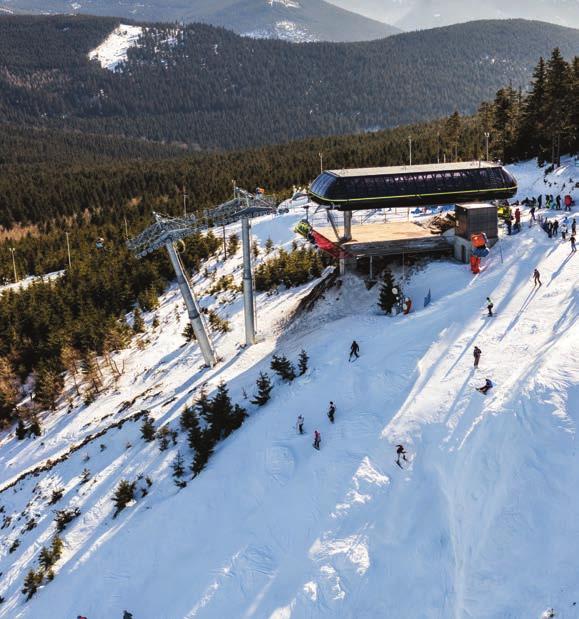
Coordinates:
(48, 387)
(268, 245)
(85, 476)
(9, 391)
(303, 362)
(138, 322)
(163, 435)
(34, 429)
(388, 298)
(219, 412)
(45, 559)
(179, 471)
(124, 494)
(21, 430)
(255, 250)
(56, 548)
(187, 418)
(32, 581)
(532, 138)
(283, 368)
(189, 333)
(233, 244)
(203, 405)
(264, 388)
(148, 429)
(202, 454)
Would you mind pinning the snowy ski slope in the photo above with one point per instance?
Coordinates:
(481, 524)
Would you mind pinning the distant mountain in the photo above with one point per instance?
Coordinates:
(415, 14)
(292, 20)
(209, 87)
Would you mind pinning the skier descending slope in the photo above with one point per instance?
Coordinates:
(331, 412)
(317, 440)
(300, 424)
(486, 387)
(537, 278)
(490, 306)
(354, 350)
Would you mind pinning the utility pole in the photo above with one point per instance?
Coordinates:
(249, 307)
(224, 244)
(185, 196)
(487, 136)
(14, 265)
(321, 155)
(410, 149)
(438, 147)
(68, 249)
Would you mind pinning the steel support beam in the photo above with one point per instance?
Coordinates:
(347, 226)
(248, 305)
(192, 308)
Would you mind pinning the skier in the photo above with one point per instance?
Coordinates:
(490, 306)
(477, 352)
(536, 278)
(300, 424)
(331, 412)
(127, 615)
(485, 388)
(564, 231)
(568, 201)
(81, 617)
(518, 217)
(317, 440)
(573, 247)
(558, 200)
(354, 350)
(400, 451)
(532, 211)
(573, 227)
(509, 226)
(540, 200)
(555, 227)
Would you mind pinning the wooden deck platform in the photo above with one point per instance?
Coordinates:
(384, 239)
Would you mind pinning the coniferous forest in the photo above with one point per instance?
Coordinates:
(50, 327)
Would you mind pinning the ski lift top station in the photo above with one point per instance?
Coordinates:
(471, 186)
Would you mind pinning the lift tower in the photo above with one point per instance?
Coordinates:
(165, 232)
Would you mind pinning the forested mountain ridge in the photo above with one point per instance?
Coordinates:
(212, 88)
(292, 20)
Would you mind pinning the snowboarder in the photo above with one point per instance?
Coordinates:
(490, 306)
(300, 424)
(555, 227)
(331, 412)
(568, 201)
(573, 247)
(540, 200)
(81, 617)
(485, 388)
(354, 350)
(317, 440)
(477, 352)
(400, 451)
(536, 278)
(127, 615)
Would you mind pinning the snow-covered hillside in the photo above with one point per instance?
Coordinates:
(112, 52)
(480, 523)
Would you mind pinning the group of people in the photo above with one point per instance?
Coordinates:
(317, 436)
(551, 227)
(551, 202)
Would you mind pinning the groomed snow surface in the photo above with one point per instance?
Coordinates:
(481, 523)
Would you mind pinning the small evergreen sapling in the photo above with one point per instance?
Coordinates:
(179, 471)
(21, 430)
(283, 368)
(303, 362)
(124, 494)
(148, 430)
(32, 581)
(138, 322)
(264, 388)
(388, 297)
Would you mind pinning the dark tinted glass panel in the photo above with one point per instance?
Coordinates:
(336, 190)
(322, 183)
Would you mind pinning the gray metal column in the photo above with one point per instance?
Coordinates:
(192, 308)
(347, 226)
(247, 284)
